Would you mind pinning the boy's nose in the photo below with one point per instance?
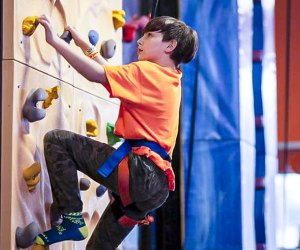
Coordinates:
(139, 42)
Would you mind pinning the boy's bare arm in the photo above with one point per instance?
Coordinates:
(90, 69)
(85, 45)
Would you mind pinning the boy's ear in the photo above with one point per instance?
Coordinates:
(171, 46)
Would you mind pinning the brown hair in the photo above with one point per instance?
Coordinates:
(174, 29)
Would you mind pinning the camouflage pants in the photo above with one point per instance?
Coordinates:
(67, 152)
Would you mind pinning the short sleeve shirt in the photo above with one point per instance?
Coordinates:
(150, 98)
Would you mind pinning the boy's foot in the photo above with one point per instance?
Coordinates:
(72, 228)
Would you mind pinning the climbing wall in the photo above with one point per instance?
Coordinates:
(31, 70)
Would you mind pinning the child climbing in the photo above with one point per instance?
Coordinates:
(139, 172)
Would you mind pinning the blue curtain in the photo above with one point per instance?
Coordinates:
(210, 128)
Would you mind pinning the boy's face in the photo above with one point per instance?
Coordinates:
(151, 47)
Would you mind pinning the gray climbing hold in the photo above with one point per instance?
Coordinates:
(100, 190)
(108, 49)
(93, 37)
(84, 184)
(25, 237)
(30, 111)
(66, 36)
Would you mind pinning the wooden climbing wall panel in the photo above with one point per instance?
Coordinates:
(29, 63)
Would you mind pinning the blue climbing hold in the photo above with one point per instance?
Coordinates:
(93, 37)
(100, 190)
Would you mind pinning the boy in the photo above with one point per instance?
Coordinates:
(139, 172)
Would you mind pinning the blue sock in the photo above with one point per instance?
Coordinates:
(72, 228)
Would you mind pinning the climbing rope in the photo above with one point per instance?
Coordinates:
(154, 8)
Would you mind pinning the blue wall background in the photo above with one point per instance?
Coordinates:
(210, 129)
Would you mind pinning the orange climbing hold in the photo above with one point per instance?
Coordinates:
(29, 25)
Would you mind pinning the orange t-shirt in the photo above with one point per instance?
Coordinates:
(150, 98)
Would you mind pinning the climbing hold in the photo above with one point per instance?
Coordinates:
(66, 36)
(84, 184)
(29, 25)
(129, 32)
(39, 247)
(141, 21)
(31, 184)
(130, 28)
(31, 175)
(100, 190)
(53, 93)
(91, 128)
(93, 37)
(111, 137)
(108, 48)
(30, 111)
(25, 236)
(118, 18)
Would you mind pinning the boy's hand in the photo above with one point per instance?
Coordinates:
(50, 33)
(78, 38)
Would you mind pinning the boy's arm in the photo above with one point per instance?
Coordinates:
(90, 69)
(85, 45)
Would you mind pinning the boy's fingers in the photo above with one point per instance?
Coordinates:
(70, 28)
(44, 19)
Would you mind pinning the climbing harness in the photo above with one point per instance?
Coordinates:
(112, 162)
(119, 158)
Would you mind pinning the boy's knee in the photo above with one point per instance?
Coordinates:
(51, 135)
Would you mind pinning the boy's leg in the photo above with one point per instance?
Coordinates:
(148, 189)
(109, 233)
(65, 153)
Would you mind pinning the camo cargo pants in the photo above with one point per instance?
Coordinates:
(67, 152)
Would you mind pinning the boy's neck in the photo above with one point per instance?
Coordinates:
(169, 63)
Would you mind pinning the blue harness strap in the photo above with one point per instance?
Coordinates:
(118, 155)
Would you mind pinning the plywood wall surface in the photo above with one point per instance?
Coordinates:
(35, 52)
(30, 63)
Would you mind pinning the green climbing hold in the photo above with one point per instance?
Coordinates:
(111, 137)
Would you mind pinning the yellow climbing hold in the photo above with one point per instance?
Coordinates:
(29, 25)
(91, 128)
(31, 177)
(118, 18)
(39, 247)
(53, 93)
(31, 184)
